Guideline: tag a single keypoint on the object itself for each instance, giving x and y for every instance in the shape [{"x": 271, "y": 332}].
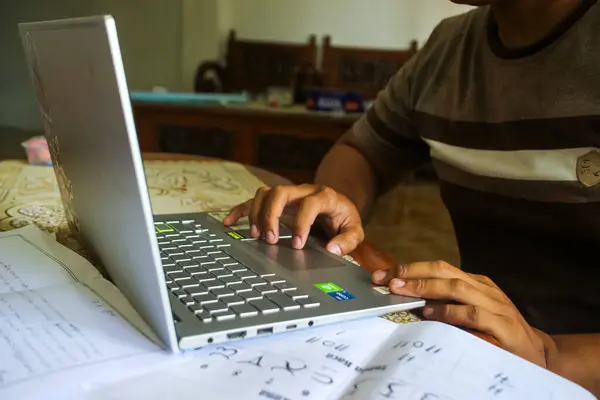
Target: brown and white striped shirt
[{"x": 507, "y": 131}]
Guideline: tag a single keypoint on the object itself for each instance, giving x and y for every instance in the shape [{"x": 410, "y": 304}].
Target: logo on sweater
[{"x": 588, "y": 169}]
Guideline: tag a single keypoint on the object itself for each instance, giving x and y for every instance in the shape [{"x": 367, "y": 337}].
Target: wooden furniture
[
  {"x": 255, "y": 65},
  {"x": 361, "y": 69},
  {"x": 288, "y": 141}
]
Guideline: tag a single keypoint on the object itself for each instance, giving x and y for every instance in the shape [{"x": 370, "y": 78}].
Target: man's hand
[
  {"x": 468, "y": 300},
  {"x": 338, "y": 214}
]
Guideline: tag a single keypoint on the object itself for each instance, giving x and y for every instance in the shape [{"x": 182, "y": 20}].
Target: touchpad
[{"x": 283, "y": 253}]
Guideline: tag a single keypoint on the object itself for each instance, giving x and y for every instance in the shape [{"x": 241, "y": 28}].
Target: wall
[
  {"x": 150, "y": 38},
  {"x": 380, "y": 23}
]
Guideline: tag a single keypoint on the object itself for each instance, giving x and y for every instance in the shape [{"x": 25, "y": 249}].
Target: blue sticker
[{"x": 341, "y": 296}]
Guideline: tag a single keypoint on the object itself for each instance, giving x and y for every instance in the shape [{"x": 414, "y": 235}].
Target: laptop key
[
  {"x": 180, "y": 257},
  {"x": 226, "y": 261},
  {"x": 255, "y": 281},
  {"x": 246, "y": 274},
  {"x": 222, "y": 292},
  {"x": 274, "y": 279},
  {"x": 168, "y": 263},
  {"x": 240, "y": 287},
  {"x": 228, "y": 280},
  {"x": 213, "y": 284},
  {"x": 178, "y": 275},
  {"x": 222, "y": 273},
  {"x": 216, "y": 307},
  {"x": 205, "y": 278},
  {"x": 225, "y": 316},
  {"x": 196, "y": 290},
  {"x": 169, "y": 269},
  {"x": 233, "y": 300},
  {"x": 283, "y": 301},
  {"x": 172, "y": 251},
  {"x": 172, "y": 286},
  {"x": 204, "y": 316},
  {"x": 236, "y": 268},
  {"x": 265, "y": 289},
  {"x": 212, "y": 266},
  {"x": 187, "y": 282},
  {"x": 205, "y": 299},
  {"x": 187, "y": 263},
  {"x": 251, "y": 295},
  {"x": 196, "y": 308},
  {"x": 265, "y": 306},
  {"x": 187, "y": 300},
  {"x": 244, "y": 310},
  {"x": 179, "y": 292},
  {"x": 196, "y": 270},
  {"x": 295, "y": 295},
  {"x": 308, "y": 302},
  {"x": 217, "y": 255},
  {"x": 285, "y": 286}
]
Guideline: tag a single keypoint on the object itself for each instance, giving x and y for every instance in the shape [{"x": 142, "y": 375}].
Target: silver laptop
[{"x": 193, "y": 280}]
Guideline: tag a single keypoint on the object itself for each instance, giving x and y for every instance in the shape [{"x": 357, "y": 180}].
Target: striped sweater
[{"x": 514, "y": 136}]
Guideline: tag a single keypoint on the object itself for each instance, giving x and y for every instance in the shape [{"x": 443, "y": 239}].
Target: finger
[
  {"x": 273, "y": 205},
  {"x": 308, "y": 211},
  {"x": 323, "y": 201},
  {"x": 432, "y": 270},
  {"x": 253, "y": 217},
  {"x": 237, "y": 212},
  {"x": 347, "y": 241},
  {"x": 471, "y": 317},
  {"x": 448, "y": 290}
]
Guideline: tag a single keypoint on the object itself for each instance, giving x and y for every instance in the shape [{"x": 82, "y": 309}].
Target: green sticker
[
  {"x": 235, "y": 235},
  {"x": 329, "y": 287},
  {"x": 162, "y": 228}
]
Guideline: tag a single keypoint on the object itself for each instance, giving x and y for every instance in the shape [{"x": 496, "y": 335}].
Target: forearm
[
  {"x": 577, "y": 358},
  {"x": 347, "y": 171}
]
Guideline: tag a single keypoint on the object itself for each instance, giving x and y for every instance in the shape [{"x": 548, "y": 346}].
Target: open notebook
[{"x": 66, "y": 333}]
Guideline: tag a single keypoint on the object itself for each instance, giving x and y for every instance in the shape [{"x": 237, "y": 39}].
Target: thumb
[{"x": 346, "y": 242}]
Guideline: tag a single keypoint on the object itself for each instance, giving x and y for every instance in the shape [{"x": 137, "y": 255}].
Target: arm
[
  {"x": 575, "y": 357},
  {"x": 348, "y": 172}
]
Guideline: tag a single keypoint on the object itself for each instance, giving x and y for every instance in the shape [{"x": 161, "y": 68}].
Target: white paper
[
  {"x": 366, "y": 359},
  {"x": 54, "y": 321}
]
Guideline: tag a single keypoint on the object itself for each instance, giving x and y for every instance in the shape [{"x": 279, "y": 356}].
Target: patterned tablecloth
[{"x": 30, "y": 195}]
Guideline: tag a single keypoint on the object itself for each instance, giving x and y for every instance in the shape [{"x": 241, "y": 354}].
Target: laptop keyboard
[{"x": 215, "y": 286}]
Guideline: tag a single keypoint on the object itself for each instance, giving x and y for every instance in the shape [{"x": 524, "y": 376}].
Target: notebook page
[
  {"x": 435, "y": 361},
  {"x": 51, "y": 324},
  {"x": 314, "y": 363},
  {"x": 27, "y": 262}
]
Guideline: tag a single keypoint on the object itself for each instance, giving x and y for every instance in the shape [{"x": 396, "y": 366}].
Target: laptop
[{"x": 193, "y": 280}]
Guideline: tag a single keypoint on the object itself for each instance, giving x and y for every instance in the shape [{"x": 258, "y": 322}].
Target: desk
[{"x": 288, "y": 141}]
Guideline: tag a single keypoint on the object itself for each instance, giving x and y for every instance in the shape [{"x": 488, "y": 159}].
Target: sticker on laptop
[
  {"x": 382, "y": 289},
  {"x": 236, "y": 235},
  {"x": 334, "y": 291}
]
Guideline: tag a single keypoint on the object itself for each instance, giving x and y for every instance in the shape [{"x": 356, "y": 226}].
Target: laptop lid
[{"x": 80, "y": 83}]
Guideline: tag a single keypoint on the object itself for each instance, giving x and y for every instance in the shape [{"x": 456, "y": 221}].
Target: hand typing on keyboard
[{"x": 338, "y": 215}]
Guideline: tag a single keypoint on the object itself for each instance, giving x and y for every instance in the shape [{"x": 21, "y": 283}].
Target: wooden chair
[
  {"x": 361, "y": 69},
  {"x": 254, "y": 65}
]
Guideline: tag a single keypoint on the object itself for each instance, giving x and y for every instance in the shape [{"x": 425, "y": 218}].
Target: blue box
[{"x": 335, "y": 100}]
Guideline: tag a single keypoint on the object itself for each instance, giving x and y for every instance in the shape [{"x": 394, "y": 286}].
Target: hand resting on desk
[{"x": 461, "y": 299}]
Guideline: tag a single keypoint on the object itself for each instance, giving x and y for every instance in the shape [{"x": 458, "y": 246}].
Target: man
[{"x": 505, "y": 100}]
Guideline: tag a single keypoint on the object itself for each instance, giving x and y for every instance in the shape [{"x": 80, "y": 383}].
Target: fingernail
[
  {"x": 335, "y": 249},
  {"x": 296, "y": 242},
  {"x": 253, "y": 230},
  {"x": 379, "y": 275},
  {"x": 428, "y": 311},
  {"x": 270, "y": 237},
  {"x": 398, "y": 283}
]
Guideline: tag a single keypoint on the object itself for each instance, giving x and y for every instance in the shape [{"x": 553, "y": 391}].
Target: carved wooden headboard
[{"x": 361, "y": 69}]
